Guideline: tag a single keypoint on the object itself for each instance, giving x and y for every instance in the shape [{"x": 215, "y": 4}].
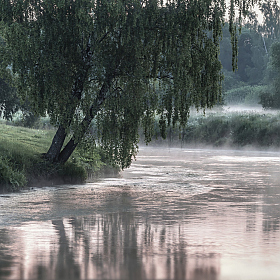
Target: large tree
[
  {"x": 271, "y": 15},
  {"x": 115, "y": 62},
  {"x": 271, "y": 97}
]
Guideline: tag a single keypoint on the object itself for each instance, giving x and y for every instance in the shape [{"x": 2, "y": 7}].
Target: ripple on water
[{"x": 190, "y": 214}]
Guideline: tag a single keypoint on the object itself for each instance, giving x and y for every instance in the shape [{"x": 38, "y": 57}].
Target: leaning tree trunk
[
  {"x": 55, "y": 149},
  {"x": 76, "y": 138},
  {"x": 57, "y": 143},
  {"x": 67, "y": 151},
  {"x": 74, "y": 141}
]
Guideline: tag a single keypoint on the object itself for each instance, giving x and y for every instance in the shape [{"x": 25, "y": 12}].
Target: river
[{"x": 192, "y": 214}]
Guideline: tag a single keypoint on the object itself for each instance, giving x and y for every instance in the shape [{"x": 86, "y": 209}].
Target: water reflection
[
  {"x": 104, "y": 247},
  {"x": 5, "y": 257},
  {"x": 189, "y": 215}
]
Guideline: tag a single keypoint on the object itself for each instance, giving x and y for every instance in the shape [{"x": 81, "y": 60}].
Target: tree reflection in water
[
  {"x": 66, "y": 268},
  {"x": 114, "y": 246},
  {"x": 6, "y": 260},
  {"x": 191, "y": 227},
  {"x": 111, "y": 246}
]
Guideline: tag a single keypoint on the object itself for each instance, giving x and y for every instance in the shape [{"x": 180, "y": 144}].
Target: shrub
[
  {"x": 247, "y": 95},
  {"x": 10, "y": 178},
  {"x": 232, "y": 129},
  {"x": 270, "y": 99},
  {"x": 88, "y": 155},
  {"x": 244, "y": 130},
  {"x": 72, "y": 173},
  {"x": 266, "y": 100},
  {"x": 236, "y": 95},
  {"x": 22, "y": 162}
]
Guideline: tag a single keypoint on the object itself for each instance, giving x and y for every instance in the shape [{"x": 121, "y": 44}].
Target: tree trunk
[
  {"x": 54, "y": 151},
  {"x": 57, "y": 143},
  {"x": 67, "y": 151},
  {"x": 74, "y": 141}
]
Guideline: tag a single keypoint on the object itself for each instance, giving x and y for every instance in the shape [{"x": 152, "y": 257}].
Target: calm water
[{"x": 175, "y": 214}]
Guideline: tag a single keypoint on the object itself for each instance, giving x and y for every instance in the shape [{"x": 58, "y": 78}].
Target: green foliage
[
  {"x": 21, "y": 159},
  {"x": 270, "y": 98},
  {"x": 275, "y": 56},
  {"x": 252, "y": 58},
  {"x": 27, "y": 119},
  {"x": 9, "y": 102},
  {"x": 246, "y": 95},
  {"x": 72, "y": 173},
  {"x": 89, "y": 155},
  {"x": 253, "y": 129},
  {"x": 236, "y": 95},
  {"x": 231, "y": 81},
  {"x": 257, "y": 60},
  {"x": 10, "y": 177},
  {"x": 271, "y": 24},
  {"x": 213, "y": 130},
  {"x": 99, "y": 60},
  {"x": 227, "y": 129}
]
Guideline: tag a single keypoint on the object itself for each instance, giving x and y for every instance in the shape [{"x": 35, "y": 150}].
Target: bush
[
  {"x": 71, "y": 173},
  {"x": 236, "y": 130},
  {"x": 212, "y": 130},
  {"x": 231, "y": 129},
  {"x": 237, "y": 95},
  {"x": 27, "y": 119},
  {"x": 11, "y": 178},
  {"x": 270, "y": 98},
  {"x": 244, "y": 129},
  {"x": 247, "y": 95},
  {"x": 22, "y": 162}
]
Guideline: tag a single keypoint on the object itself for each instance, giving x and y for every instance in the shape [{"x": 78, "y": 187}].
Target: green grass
[
  {"x": 21, "y": 160},
  {"x": 33, "y": 140},
  {"x": 20, "y": 152}
]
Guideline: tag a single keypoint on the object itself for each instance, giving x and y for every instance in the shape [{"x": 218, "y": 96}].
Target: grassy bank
[
  {"x": 21, "y": 162},
  {"x": 235, "y": 129}
]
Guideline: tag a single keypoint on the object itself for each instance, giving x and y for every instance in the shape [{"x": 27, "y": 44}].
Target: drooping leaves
[{"x": 152, "y": 57}]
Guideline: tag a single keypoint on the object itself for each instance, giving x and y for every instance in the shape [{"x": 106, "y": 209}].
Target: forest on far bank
[{"x": 256, "y": 81}]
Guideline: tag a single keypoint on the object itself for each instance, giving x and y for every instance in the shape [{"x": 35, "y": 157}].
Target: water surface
[{"x": 175, "y": 214}]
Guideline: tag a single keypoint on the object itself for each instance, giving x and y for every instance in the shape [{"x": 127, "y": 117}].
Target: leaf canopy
[{"x": 119, "y": 61}]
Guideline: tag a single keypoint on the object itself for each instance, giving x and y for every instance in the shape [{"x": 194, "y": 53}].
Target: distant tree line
[{"x": 256, "y": 79}]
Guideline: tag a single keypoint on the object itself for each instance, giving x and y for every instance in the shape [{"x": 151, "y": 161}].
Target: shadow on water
[
  {"x": 6, "y": 259},
  {"x": 182, "y": 214}
]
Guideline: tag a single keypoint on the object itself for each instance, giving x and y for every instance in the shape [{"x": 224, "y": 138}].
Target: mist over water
[
  {"x": 195, "y": 214},
  {"x": 235, "y": 108}
]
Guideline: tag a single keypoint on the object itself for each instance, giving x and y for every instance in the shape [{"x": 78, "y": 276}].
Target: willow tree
[{"x": 115, "y": 62}]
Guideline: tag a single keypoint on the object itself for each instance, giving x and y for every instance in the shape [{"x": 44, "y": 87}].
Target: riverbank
[
  {"x": 234, "y": 129},
  {"x": 22, "y": 163},
  {"x": 21, "y": 149}
]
